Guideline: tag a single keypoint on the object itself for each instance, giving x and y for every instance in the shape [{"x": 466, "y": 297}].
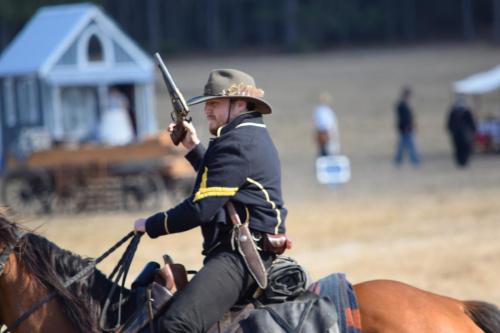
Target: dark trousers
[
  {"x": 462, "y": 149},
  {"x": 221, "y": 283}
]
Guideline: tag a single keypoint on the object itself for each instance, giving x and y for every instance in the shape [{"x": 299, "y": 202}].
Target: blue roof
[{"x": 42, "y": 36}]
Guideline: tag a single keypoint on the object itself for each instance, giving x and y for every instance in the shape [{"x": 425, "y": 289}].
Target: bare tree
[
  {"x": 468, "y": 30},
  {"x": 496, "y": 21},
  {"x": 212, "y": 20},
  {"x": 389, "y": 21},
  {"x": 291, "y": 8},
  {"x": 3, "y": 35},
  {"x": 153, "y": 25},
  {"x": 410, "y": 26}
]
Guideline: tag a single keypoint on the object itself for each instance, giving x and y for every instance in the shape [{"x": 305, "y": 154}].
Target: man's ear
[{"x": 241, "y": 105}]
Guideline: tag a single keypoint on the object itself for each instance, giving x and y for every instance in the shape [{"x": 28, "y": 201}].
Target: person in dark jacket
[
  {"x": 461, "y": 126},
  {"x": 406, "y": 128},
  {"x": 241, "y": 165}
]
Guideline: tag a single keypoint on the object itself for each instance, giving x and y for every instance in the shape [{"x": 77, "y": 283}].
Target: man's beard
[{"x": 213, "y": 131}]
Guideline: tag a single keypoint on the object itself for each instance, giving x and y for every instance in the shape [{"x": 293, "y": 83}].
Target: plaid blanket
[{"x": 339, "y": 291}]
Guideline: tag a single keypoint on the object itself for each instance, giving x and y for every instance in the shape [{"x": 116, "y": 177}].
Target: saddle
[
  {"x": 153, "y": 288},
  {"x": 285, "y": 310}
]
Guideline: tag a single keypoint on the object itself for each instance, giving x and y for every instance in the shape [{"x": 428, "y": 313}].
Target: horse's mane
[{"x": 51, "y": 266}]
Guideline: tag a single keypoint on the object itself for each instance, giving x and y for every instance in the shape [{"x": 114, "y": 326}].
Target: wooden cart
[{"x": 146, "y": 175}]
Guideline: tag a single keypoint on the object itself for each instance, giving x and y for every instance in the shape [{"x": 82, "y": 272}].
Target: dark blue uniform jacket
[
  {"x": 405, "y": 117},
  {"x": 241, "y": 164}
]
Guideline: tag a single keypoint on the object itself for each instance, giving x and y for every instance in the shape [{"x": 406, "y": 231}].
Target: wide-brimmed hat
[{"x": 232, "y": 83}]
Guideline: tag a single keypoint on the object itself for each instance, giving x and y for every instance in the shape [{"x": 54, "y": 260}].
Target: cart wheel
[
  {"x": 28, "y": 194},
  {"x": 69, "y": 202},
  {"x": 142, "y": 191}
]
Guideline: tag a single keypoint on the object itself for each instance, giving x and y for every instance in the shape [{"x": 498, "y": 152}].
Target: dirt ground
[{"x": 435, "y": 227}]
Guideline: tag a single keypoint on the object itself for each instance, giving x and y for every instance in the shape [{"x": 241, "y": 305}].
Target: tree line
[{"x": 280, "y": 25}]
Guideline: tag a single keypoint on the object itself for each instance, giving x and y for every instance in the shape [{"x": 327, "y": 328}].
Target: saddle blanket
[{"x": 339, "y": 291}]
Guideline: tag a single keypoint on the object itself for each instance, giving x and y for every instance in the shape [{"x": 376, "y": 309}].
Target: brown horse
[{"x": 36, "y": 267}]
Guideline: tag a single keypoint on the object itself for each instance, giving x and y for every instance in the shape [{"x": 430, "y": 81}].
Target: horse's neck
[
  {"x": 100, "y": 286},
  {"x": 19, "y": 290}
]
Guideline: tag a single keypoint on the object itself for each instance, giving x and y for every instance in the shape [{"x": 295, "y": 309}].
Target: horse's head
[
  {"x": 36, "y": 267},
  {"x": 10, "y": 238}
]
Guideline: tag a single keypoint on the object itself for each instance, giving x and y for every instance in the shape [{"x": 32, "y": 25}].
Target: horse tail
[{"x": 484, "y": 315}]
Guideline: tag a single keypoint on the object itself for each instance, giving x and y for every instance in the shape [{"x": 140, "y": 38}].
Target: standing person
[
  {"x": 406, "y": 128},
  {"x": 240, "y": 165},
  {"x": 326, "y": 126},
  {"x": 116, "y": 127},
  {"x": 461, "y": 126}
]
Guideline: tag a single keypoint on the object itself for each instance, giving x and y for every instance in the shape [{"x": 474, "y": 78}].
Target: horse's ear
[
  {"x": 8, "y": 228},
  {"x": 6, "y": 215}
]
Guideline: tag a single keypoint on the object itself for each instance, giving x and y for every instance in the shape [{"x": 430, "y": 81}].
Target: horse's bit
[{"x": 8, "y": 250}]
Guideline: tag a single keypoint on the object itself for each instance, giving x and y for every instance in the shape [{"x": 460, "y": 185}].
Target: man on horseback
[{"x": 241, "y": 166}]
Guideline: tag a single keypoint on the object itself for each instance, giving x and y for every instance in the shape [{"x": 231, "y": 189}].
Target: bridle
[
  {"x": 83, "y": 274},
  {"x": 8, "y": 250}
]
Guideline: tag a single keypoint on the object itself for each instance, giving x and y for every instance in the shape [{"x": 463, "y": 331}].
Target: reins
[
  {"x": 124, "y": 265},
  {"x": 122, "y": 269}
]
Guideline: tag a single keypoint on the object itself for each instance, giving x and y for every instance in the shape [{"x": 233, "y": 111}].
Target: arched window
[{"x": 95, "y": 50}]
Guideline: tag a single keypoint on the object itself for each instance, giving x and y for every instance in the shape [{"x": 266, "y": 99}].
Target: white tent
[
  {"x": 480, "y": 83},
  {"x": 477, "y": 85}
]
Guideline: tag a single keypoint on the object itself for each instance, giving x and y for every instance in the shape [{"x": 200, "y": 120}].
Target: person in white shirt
[
  {"x": 326, "y": 126},
  {"x": 116, "y": 127}
]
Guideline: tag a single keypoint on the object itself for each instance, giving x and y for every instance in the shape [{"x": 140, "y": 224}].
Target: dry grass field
[{"x": 435, "y": 227}]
